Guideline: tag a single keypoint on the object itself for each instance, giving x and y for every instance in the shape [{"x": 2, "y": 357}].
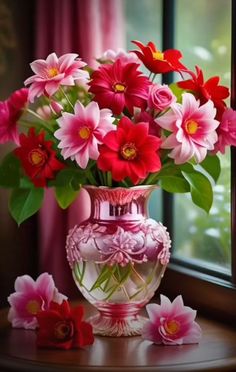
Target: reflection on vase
[{"x": 118, "y": 257}]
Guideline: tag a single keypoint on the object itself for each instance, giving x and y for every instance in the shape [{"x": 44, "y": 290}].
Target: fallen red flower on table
[{"x": 62, "y": 327}]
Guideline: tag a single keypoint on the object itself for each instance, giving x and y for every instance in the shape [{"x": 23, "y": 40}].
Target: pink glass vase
[{"x": 118, "y": 257}]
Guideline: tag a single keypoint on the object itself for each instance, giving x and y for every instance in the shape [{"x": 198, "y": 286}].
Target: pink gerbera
[
  {"x": 130, "y": 152},
  {"x": 120, "y": 85},
  {"x": 81, "y": 133},
  {"x": 53, "y": 72},
  {"x": 10, "y": 112},
  {"x": 193, "y": 129}
]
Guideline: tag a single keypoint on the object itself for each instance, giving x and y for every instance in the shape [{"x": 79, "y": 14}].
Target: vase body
[{"x": 118, "y": 257}]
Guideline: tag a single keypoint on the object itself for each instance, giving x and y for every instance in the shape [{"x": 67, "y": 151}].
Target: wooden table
[{"x": 215, "y": 352}]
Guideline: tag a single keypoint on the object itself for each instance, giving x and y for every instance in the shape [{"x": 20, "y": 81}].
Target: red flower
[
  {"x": 130, "y": 152},
  {"x": 157, "y": 61},
  {"x": 207, "y": 90},
  {"x": 119, "y": 85},
  {"x": 37, "y": 157},
  {"x": 62, "y": 327}
]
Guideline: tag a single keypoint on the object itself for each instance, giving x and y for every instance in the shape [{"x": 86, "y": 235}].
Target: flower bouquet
[{"x": 119, "y": 133}]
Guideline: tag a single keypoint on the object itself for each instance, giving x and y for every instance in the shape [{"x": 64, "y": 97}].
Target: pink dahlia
[
  {"x": 30, "y": 297},
  {"x": 10, "y": 112},
  {"x": 118, "y": 86},
  {"x": 193, "y": 129},
  {"x": 129, "y": 152},
  {"x": 226, "y": 131},
  {"x": 171, "y": 323},
  {"x": 53, "y": 72},
  {"x": 81, "y": 133}
]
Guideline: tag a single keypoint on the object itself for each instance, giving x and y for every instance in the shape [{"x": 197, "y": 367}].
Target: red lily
[
  {"x": 207, "y": 90},
  {"x": 157, "y": 61}
]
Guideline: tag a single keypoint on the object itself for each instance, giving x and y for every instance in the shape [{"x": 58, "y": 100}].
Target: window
[{"x": 202, "y": 258}]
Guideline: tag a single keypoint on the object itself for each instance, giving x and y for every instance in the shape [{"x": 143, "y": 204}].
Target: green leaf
[
  {"x": 174, "y": 184},
  {"x": 25, "y": 202},
  {"x": 65, "y": 196},
  {"x": 69, "y": 177},
  {"x": 201, "y": 189},
  {"x": 211, "y": 164},
  {"x": 177, "y": 91},
  {"x": 10, "y": 171}
]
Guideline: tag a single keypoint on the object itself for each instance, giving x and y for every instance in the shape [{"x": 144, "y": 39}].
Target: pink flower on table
[
  {"x": 81, "y": 133},
  {"x": 53, "y": 72},
  {"x": 30, "y": 297},
  {"x": 129, "y": 152},
  {"x": 118, "y": 86},
  {"x": 160, "y": 97},
  {"x": 192, "y": 127},
  {"x": 171, "y": 323},
  {"x": 10, "y": 112},
  {"x": 226, "y": 131}
]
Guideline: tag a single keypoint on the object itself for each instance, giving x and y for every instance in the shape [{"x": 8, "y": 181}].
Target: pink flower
[
  {"x": 53, "y": 72},
  {"x": 10, "y": 112},
  {"x": 226, "y": 131},
  {"x": 160, "y": 97},
  {"x": 112, "y": 55},
  {"x": 81, "y": 133},
  {"x": 30, "y": 297},
  {"x": 171, "y": 323},
  {"x": 118, "y": 86},
  {"x": 193, "y": 129}
]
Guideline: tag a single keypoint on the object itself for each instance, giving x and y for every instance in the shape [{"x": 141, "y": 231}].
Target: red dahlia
[
  {"x": 120, "y": 85},
  {"x": 157, "y": 61},
  {"x": 130, "y": 152},
  {"x": 62, "y": 327},
  {"x": 37, "y": 157}
]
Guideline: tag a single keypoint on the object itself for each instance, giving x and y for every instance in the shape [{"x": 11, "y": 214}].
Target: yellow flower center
[
  {"x": 84, "y": 132},
  {"x": 36, "y": 157},
  {"x": 191, "y": 126},
  {"x": 119, "y": 88},
  {"x": 63, "y": 330},
  {"x": 129, "y": 151},
  {"x": 172, "y": 327},
  {"x": 33, "y": 307},
  {"x": 158, "y": 55},
  {"x": 52, "y": 71}
]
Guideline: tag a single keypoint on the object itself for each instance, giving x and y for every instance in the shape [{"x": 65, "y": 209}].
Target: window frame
[{"x": 212, "y": 295}]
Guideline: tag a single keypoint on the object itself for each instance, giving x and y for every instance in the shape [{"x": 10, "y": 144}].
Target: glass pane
[
  {"x": 143, "y": 21},
  {"x": 203, "y": 35}
]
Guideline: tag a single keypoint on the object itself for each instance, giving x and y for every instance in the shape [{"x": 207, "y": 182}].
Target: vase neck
[{"x": 119, "y": 203}]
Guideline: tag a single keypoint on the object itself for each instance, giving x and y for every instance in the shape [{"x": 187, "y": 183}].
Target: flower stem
[
  {"x": 67, "y": 98},
  {"x": 91, "y": 179}
]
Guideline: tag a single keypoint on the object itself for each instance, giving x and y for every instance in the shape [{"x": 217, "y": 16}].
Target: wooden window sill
[{"x": 215, "y": 352}]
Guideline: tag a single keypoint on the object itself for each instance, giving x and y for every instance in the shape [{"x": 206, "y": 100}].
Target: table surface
[{"x": 215, "y": 352}]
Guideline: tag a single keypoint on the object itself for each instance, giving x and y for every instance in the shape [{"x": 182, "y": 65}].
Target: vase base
[{"x": 116, "y": 327}]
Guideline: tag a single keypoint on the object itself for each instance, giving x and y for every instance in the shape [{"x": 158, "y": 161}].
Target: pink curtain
[{"x": 86, "y": 27}]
